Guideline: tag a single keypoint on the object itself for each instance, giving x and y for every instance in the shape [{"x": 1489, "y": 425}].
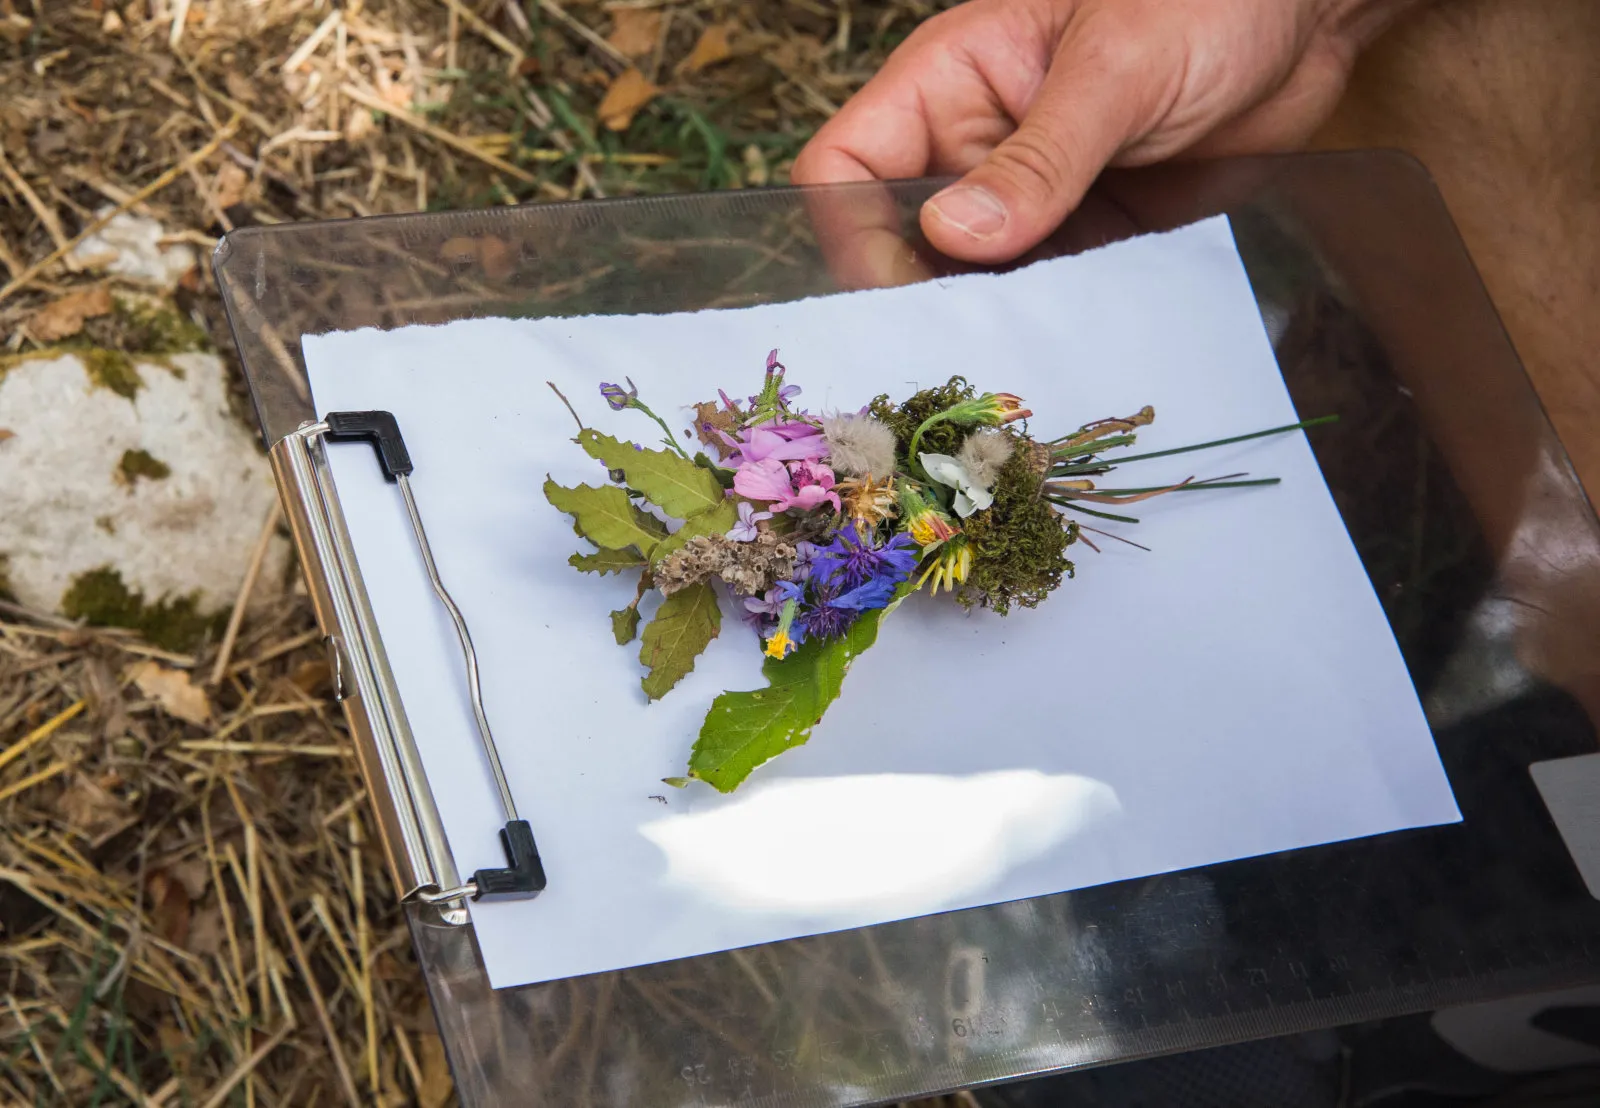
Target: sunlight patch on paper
[{"x": 875, "y": 842}]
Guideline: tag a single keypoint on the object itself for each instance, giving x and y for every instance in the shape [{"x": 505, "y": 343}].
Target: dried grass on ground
[{"x": 192, "y": 906}]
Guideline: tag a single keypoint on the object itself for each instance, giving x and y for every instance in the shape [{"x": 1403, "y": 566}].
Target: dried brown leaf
[
  {"x": 91, "y": 810},
  {"x": 206, "y": 931},
  {"x": 627, "y": 94},
  {"x": 239, "y": 86},
  {"x": 634, "y": 31},
  {"x": 231, "y": 185},
  {"x": 169, "y": 907},
  {"x": 5, "y": 434},
  {"x": 64, "y": 317},
  {"x": 712, "y": 47},
  {"x": 174, "y": 691},
  {"x": 436, "y": 1085}
]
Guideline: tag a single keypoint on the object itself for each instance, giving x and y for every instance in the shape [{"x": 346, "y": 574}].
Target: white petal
[
  {"x": 964, "y": 505},
  {"x": 981, "y": 498},
  {"x": 943, "y": 469}
]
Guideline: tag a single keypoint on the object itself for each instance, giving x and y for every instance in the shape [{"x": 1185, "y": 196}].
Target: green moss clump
[
  {"x": 114, "y": 370},
  {"x": 941, "y": 438},
  {"x": 158, "y": 331},
  {"x": 141, "y": 463},
  {"x": 1019, "y": 546},
  {"x": 102, "y": 598}
]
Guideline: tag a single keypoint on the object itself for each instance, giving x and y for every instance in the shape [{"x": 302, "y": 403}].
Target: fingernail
[{"x": 971, "y": 209}]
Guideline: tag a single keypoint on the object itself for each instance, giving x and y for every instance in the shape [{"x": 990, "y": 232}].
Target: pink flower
[
  {"x": 786, "y": 442},
  {"x": 770, "y": 481}
]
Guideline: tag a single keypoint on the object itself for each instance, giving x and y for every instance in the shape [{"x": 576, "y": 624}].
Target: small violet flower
[
  {"x": 617, "y": 396},
  {"x": 745, "y": 530}
]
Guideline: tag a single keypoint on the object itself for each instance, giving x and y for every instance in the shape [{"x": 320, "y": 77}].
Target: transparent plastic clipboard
[{"x": 1476, "y": 534}]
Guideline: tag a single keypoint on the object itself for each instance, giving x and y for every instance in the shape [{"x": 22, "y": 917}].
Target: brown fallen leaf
[
  {"x": 92, "y": 811},
  {"x": 5, "y": 434},
  {"x": 712, "y": 47},
  {"x": 239, "y": 86},
  {"x": 627, "y": 94},
  {"x": 64, "y": 317},
  {"x": 436, "y": 1083},
  {"x": 231, "y": 185},
  {"x": 206, "y": 931},
  {"x": 169, "y": 907},
  {"x": 173, "y": 691},
  {"x": 634, "y": 31}
]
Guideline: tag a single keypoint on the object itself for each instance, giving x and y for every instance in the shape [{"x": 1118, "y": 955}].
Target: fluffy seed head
[
  {"x": 859, "y": 446},
  {"x": 984, "y": 454}
]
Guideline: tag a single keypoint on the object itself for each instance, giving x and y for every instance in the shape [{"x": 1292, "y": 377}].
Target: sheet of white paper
[{"x": 1234, "y": 692}]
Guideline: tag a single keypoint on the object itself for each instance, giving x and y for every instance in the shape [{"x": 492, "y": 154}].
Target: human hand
[{"x": 1093, "y": 83}]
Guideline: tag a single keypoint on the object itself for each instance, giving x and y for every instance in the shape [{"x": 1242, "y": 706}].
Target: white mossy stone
[
  {"x": 70, "y": 507},
  {"x": 130, "y": 247}
]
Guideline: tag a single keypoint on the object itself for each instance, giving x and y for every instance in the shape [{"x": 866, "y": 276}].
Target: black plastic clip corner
[
  {"x": 523, "y": 878},
  {"x": 380, "y": 429}
]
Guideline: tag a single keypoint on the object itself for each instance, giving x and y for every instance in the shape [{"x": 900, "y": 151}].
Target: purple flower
[
  {"x": 805, "y": 557},
  {"x": 827, "y": 618},
  {"x": 745, "y": 530},
  {"x": 761, "y": 612},
  {"x": 617, "y": 396},
  {"x": 772, "y": 360},
  {"x": 849, "y": 562}
]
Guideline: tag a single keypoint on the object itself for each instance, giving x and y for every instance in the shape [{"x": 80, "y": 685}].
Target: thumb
[{"x": 1084, "y": 113}]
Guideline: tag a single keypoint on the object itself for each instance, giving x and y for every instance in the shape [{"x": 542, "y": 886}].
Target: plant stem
[
  {"x": 1071, "y": 506},
  {"x": 1193, "y": 486},
  {"x": 1303, "y": 425},
  {"x": 672, "y": 442}
]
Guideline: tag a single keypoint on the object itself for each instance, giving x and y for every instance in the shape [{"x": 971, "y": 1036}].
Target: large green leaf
[
  {"x": 671, "y": 482},
  {"x": 683, "y": 626},
  {"x": 718, "y": 521},
  {"x": 744, "y": 729},
  {"x": 607, "y": 561},
  {"x": 606, "y": 517}
]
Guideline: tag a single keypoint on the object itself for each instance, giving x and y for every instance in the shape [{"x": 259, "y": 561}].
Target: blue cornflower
[
  {"x": 827, "y": 618},
  {"x": 850, "y": 562}
]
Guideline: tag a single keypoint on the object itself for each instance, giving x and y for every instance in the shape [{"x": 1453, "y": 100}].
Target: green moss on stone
[
  {"x": 6, "y": 591},
  {"x": 141, "y": 463},
  {"x": 157, "y": 330},
  {"x": 112, "y": 369},
  {"x": 102, "y": 598}
]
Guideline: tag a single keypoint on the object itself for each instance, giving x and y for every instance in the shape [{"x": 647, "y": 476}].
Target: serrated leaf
[
  {"x": 683, "y": 627},
  {"x": 607, "y": 561},
  {"x": 606, "y": 517},
  {"x": 674, "y": 484},
  {"x": 743, "y": 730},
  {"x": 718, "y": 521},
  {"x": 625, "y": 625}
]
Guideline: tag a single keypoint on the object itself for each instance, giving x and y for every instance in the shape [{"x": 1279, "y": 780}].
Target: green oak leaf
[
  {"x": 717, "y": 521},
  {"x": 745, "y": 729},
  {"x": 606, "y": 517},
  {"x": 625, "y": 624},
  {"x": 671, "y": 482},
  {"x": 683, "y": 626},
  {"x": 607, "y": 561}
]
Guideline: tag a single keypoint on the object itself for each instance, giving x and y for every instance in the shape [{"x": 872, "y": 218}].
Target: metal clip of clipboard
[{"x": 412, "y": 832}]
